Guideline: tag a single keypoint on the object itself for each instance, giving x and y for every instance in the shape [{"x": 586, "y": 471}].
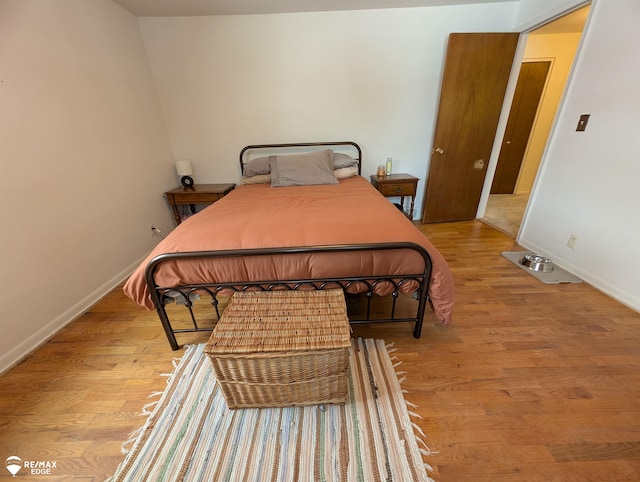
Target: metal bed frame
[{"x": 163, "y": 295}]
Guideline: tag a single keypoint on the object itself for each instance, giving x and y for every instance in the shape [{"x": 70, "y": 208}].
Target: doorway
[
  {"x": 505, "y": 207},
  {"x": 524, "y": 107},
  {"x": 555, "y": 42}
]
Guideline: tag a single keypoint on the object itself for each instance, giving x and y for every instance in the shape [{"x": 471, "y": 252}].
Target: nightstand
[
  {"x": 401, "y": 185},
  {"x": 200, "y": 194}
]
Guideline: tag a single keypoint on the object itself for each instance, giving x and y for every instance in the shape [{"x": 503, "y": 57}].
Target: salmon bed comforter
[{"x": 261, "y": 216}]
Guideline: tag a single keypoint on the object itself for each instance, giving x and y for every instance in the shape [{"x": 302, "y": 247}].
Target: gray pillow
[
  {"x": 257, "y": 166},
  {"x": 341, "y": 161},
  {"x": 303, "y": 169}
]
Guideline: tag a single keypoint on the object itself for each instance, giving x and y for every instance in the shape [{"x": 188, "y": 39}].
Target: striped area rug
[{"x": 192, "y": 436}]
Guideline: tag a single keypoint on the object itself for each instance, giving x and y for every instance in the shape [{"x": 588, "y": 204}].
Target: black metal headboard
[{"x": 297, "y": 147}]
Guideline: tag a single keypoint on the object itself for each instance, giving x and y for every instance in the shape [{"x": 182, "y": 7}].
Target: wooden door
[
  {"x": 476, "y": 73},
  {"x": 531, "y": 81}
]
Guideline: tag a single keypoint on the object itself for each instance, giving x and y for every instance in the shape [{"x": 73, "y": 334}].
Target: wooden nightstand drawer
[
  {"x": 196, "y": 197},
  {"x": 199, "y": 194},
  {"x": 399, "y": 185},
  {"x": 397, "y": 189}
]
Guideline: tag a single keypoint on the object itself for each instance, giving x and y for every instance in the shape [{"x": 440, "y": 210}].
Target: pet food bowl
[{"x": 537, "y": 263}]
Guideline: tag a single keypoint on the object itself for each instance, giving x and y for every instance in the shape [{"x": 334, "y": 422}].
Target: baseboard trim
[
  {"x": 14, "y": 356},
  {"x": 600, "y": 284}
]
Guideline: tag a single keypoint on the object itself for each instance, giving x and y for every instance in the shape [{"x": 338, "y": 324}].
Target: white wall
[
  {"x": 372, "y": 76},
  {"x": 588, "y": 183},
  {"x": 84, "y": 160}
]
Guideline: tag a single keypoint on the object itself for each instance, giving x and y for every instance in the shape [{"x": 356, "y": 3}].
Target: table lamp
[{"x": 185, "y": 170}]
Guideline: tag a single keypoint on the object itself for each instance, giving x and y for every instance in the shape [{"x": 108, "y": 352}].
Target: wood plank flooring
[{"x": 530, "y": 382}]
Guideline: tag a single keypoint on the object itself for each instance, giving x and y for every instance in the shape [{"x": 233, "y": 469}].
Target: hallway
[{"x": 505, "y": 211}]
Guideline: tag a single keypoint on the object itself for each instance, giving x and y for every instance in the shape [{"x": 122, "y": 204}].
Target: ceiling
[
  {"x": 570, "y": 23},
  {"x": 187, "y": 8}
]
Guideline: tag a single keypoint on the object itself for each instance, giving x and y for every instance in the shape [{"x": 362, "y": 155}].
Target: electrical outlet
[
  {"x": 572, "y": 241},
  {"x": 156, "y": 231}
]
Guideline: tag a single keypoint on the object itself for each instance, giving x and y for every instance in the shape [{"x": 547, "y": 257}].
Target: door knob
[{"x": 439, "y": 150}]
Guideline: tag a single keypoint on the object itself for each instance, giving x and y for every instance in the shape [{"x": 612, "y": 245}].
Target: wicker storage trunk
[{"x": 282, "y": 348}]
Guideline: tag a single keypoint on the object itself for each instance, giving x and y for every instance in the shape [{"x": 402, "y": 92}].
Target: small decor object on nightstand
[
  {"x": 388, "y": 170},
  {"x": 184, "y": 169}
]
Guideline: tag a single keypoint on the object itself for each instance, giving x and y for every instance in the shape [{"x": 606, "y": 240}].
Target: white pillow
[
  {"x": 257, "y": 179},
  {"x": 345, "y": 172}
]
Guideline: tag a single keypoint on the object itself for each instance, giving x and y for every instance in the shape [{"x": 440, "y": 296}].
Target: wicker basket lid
[{"x": 282, "y": 321}]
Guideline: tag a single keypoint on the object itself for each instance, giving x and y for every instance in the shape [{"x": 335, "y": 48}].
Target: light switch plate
[{"x": 582, "y": 123}]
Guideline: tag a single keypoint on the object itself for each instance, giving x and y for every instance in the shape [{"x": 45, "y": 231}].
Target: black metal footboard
[{"x": 365, "y": 284}]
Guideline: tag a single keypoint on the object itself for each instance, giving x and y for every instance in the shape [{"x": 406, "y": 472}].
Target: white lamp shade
[{"x": 184, "y": 168}]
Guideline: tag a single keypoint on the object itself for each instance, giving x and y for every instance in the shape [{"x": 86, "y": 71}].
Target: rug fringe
[
  {"x": 175, "y": 362},
  {"x": 429, "y": 452},
  {"x": 145, "y": 412},
  {"x": 132, "y": 438},
  {"x": 426, "y": 450},
  {"x": 145, "y": 408},
  {"x": 420, "y": 431},
  {"x": 417, "y": 430},
  {"x": 429, "y": 469},
  {"x": 125, "y": 448}
]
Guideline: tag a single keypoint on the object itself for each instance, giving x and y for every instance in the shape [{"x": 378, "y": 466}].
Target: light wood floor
[
  {"x": 505, "y": 212},
  {"x": 531, "y": 382}
]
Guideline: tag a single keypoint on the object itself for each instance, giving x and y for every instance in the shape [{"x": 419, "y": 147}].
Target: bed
[{"x": 303, "y": 219}]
